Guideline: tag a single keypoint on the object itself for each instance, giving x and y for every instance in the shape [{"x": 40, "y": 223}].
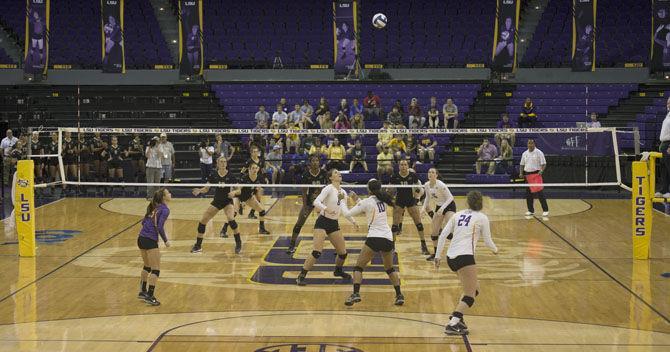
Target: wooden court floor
[{"x": 563, "y": 284}]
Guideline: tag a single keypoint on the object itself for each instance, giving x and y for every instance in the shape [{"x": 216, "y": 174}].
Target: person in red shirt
[{"x": 372, "y": 105}]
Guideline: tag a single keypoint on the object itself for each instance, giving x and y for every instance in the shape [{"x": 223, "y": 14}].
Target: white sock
[{"x": 454, "y": 321}]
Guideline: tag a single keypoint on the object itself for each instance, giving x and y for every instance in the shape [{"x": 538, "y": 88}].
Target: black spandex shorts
[
  {"x": 379, "y": 244},
  {"x": 221, "y": 203},
  {"x": 328, "y": 225},
  {"x": 460, "y": 262},
  {"x": 69, "y": 160},
  {"x": 450, "y": 207},
  {"x": 402, "y": 202},
  {"x": 114, "y": 164},
  {"x": 146, "y": 243}
]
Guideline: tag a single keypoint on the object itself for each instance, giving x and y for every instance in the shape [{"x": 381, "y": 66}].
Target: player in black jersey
[
  {"x": 257, "y": 158},
  {"x": 115, "y": 156},
  {"x": 406, "y": 199},
  {"x": 36, "y": 148},
  {"x": 69, "y": 153},
  {"x": 247, "y": 195},
  {"x": 98, "y": 148},
  {"x": 84, "y": 159},
  {"x": 51, "y": 148},
  {"x": 223, "y": 200},
  {"x": 135, "y": 152},
  {"x": 313, "y": 176}
]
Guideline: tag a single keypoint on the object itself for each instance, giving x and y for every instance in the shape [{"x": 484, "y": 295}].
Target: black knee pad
[
  {"x": 395, "y": 228},
  {"x": 201, "y": 228},
  {"x": 342, "y": 256},
  {"x": 156, "y": 272},
  {"x": 147, "y": 269},
  {"x": 431, "y": 214},
  {"x": 262, "y": 213},
  {"x": 434, "y": 238},
  {"x": 358, "y": 268},
  {"x": 450, "y": 236},
  {"x": 390, "y": 271},
  {"x": 232, "y": 224},
  {"x": 468, "y": 300},
  {"x": 316, "y": 254},
  {"x": 419, "y": 227},
  {"x": 476, "y": 293}
]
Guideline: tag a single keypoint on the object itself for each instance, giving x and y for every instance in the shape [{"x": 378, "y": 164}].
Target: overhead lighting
[
  {"x": 523, "y": 40},
  {"x": 161, "y": 9},
  {"x": 174, "y": 41},
  {"x": 537, "y": 7}
]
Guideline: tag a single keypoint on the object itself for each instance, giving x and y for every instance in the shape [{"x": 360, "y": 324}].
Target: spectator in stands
[
  {"x": 205, "y": 151},
  {"x": 358, "y": 156},
  {"x": 433, "y": 104},
  {"x": 317, "y": 148},
  {"x": 356, "y": 108},
  {"x": 398, "y": 104},
  {"x": 343, "y": 107},
  {"x": 411, "y": 147},
  {"x": 284, "y": 105},
  {"x": 296, "y": 116},
  {"x": 279, "y": 118},
  {"x": 292, "y": 139},
  {"x": 415, "y": 113},
  {"x": 274, "y": 164},
  {"x": 384, "y": 163},
  {"x": 413, "y": 126},
  {"x": 357, "y": 122},
  {"x": 506, "y": 157},
  {"x": 306, "y": 108},
  {"x": 398, "y": 146},
  {"x": 372, "y": 105},
  {"x": 325, "y": 121},
  {"x": 335, "y": 154},
  {"x": 527, "y": 117},
  {"x": 222, "y": 148},
  {"x": 426, "y": 148},
  {"x": 306, "y": 142},
  {"x": 322, "y": 108},
  {"x": 6, "y": 145},
  {"x": 342, "y": 121},
  {"x": 154, "y": 167},
  {"x": 664, "y": 148},
  {"x": 307, "y": 115},
  {"x": 383, "y": 137},
  {"x": 450, "y": 112},
  {"x": 505, "y": 123},
  {"x": 594, "y": 123},
  {"x": 262, "y": 117},
  {"x": 486, "y": 155},
  {"x": 394, "y": 117},
  {"x": 167, "y": 154},
  {"x": 433, "y": 117},
  {"x": 275, "y": 139}
]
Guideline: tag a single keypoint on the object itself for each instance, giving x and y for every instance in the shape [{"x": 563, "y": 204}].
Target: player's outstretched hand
[{"x": 196, "y": 192}]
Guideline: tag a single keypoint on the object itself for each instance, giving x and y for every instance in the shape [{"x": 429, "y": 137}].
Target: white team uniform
[
  {"x": 438, "y": 194},
  {"x": 375, "y": 210},
  {"x": 467, "y": 226},
  {"x": 332, "y": 202}
]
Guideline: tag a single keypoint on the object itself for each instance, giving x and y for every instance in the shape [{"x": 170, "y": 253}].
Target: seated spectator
[
  {"x": 394, "y": 117},
  {"x": 317, "y": 148},
  {"x": 322, "y": 108},
  {"x": 292, "y": 139},
  {"x": 279, "y": 118},
  {"x": 284, "y": 105},
  {"x": 384, "y": 163},
  {"x": 372, "y": 106},
  {"x": 342, "y": 121},
  {"x": 306, "y": 108},
  {"x": 357, "y": 122},
  {"x": 450, "y": 111},
  {"x": 297, "y": 159},
  {"x": 258, "y": 140},
  {"x": 527, "y": 117},
  {"x": 505, "y": 123},
  {"x": 413, "y": 126},
  {"x": 325, "y": 121},
  {"x": 398, "y": 104},
  {"x": 307, "y": 115},
  {"x": 306, "y": 142},
  {"x": 296, "y": 116},
  {"x": 343, "y": 107},
  {"x": 274, "y": 164},
  {"x": 262, "y": 117},
  {"x": 506, "y": 158},
  {"x": 398, "y": 146},
  {"x": 594, "y": 123},
  {"x": 411, "y": 145},
  {"x": 433, "y": 104},
  {"x": 415, "y": 113},
  {"x": 355, "y": 108},
  {"x": 486, "y": 155},
  {"x": 426, "y": 148},
  {"x": 357, "y": 156},
  {"x": 383, "y": 138},
  {"x": 275, "y": 139},
  {"x": 335, "y": 154},
  {"x": 433, "y": 118}
]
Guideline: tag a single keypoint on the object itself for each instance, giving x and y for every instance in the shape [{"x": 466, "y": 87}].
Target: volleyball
[{"x": 379, "y": 20}]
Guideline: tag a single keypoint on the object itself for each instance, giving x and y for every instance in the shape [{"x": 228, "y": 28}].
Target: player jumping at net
[
  {"x": 153, "y": 225},
  {"x": 379, "y": 240},
  {"x": 466, "y": 226},
  {"x": 405, "y": 199},
  {"x": 223, "y": 200},
  {"x": 247, "y": 195},
  {"x": 315, "y": 175},
  {"x": 436, "y": 191},
  {"x": 329, "y": 204}
]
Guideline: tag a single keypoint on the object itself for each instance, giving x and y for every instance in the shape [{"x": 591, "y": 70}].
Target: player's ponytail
[
  {"x": 155, "y": 202},
  {"x": 375, "y": 188}
]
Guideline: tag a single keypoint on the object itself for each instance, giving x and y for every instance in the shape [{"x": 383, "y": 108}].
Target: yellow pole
[{"x": 24, "y": 207}]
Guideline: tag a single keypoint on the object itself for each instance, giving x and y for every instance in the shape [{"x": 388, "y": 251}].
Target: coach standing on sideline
[
  {"x": 664, "y": 148},
  {"x": 533, "y": 162}
]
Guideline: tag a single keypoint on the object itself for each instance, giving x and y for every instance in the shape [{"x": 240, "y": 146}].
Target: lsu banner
[
  {"x": 505, "y": 35},
  {"x": 584, "y": 35},
  {"x": 191, "y": 60},
  {"x": 345, "y": 29},
  {"x": 113, "y": 52},
  {"x": 660, "y": 37},
  {"x": 37, "y": 37}
]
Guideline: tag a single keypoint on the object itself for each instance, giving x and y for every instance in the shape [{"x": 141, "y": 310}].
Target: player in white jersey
[
  {"x": 466, "y": 226},
  {"x": 380, "y": 239},
  {"x": 329, "y": 203},
  {"x": 437, "y": 192}
]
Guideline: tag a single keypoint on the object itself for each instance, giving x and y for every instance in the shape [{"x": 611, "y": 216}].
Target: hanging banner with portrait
[
  {"x": 584, "y": 35},
  {"x": 660, "y": 36},
  {"x": 345, "y": 29},
  {"x": 191, "y": 61},
  {"x": 505, "y": 36},
  {"x": 113, "y": 51},
  {"x": 36, "y": 60}
]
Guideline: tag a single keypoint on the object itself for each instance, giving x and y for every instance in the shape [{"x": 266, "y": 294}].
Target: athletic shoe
[
  {"x": 424, "y": 249},
  {"x": 143, "y": 295},
  {"x": 252, "y": 216},
  {"x": 431, "y": 257},
  {"x": 263, "y": 231},
  {"x": 456, "y": 330},
  {"x": 545, "y": 213},
  {"x": 528, "y": 213},
  {"x": 666, "y": 195},
  {"x": 354, "y": 298},
  {"x": 399, "y": 300},
  {"x": 339, "y": 272},
  {"x": 658, "y": 195},
  {"x": 290, "y": 250},
  {"x": 300, "y": 280},
  {"x": 223, "y": 233},
  {"x": 238, "y": 247},
  {"x": 196, "y": 249},
  {"x": 152, "y": 301},
  {"x": 461, "y": 322}
]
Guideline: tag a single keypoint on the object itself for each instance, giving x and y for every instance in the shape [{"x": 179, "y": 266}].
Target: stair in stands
[
  {"x": 165, "y": 14},
  {"x": 10, "y": 51},
  {"x": 530, "y": 15}
]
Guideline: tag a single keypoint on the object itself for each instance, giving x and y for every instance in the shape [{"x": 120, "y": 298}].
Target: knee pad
[
  {"x": 419, "y": 227},
  {"x": 358, "y": 268},
  {"x": 450, "y": 236},
  {"x": 316, "y": 254},
  {"x": 147, "y": 269},
  {"x": 342, "y": 256},
  {"x": 390, "y": 271},
  {"x": 261, "y": 213},
  {"x": 156, "y": 272},
  {"x": 468, "y": 300},
  {"x": 434, "y": 238},
  {"x": 476, "y": 293},
  {"x": 201, "y": 228},
  {"x": 431, "y": 214},
  {"x": 395, "y": 228},
  {"x": 232, "y": 224}
]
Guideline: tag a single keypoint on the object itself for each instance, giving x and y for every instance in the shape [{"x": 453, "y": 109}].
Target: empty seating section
[{"x": 4, "y": 58}]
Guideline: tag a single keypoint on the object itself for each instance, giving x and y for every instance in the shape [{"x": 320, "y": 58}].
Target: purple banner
[
  {"x": 37, "y": 37},
  {"x": 113, "y": 54},
  {"x": 345, "y": 32},
  {"x": 191, "y": 61},
  {"x": 591, "y": 144}
]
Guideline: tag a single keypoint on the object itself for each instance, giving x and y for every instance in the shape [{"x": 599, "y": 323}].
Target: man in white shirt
[
  {"x": 533, "y": 162},
  {"x": 262, "y": 117},
  {"x": 279, "y": 118},
  {"x": 664, "y": 148},
  {"x": 166, "y": 151},
  {"x": 6, "y": 145}
]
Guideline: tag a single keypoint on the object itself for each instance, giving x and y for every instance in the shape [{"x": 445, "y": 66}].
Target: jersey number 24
[{"x": 464, "y": 220}]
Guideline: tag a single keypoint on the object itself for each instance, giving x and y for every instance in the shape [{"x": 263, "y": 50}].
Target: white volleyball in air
[{"x": 379, "y": 20}]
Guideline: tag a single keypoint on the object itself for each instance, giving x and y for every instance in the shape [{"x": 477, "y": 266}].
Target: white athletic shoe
[
  {"x": 667, "y": 195},
  {"x": 529, "y": 213},
  {"x": 658, "y": 195},
  {"x": 545, "y": 214}
]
